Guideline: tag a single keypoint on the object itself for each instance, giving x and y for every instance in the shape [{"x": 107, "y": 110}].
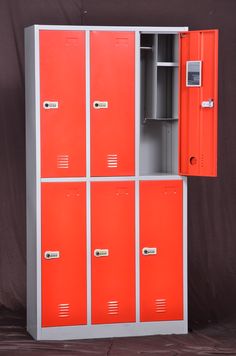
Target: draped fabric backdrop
[{"x": 212, "y": 202}]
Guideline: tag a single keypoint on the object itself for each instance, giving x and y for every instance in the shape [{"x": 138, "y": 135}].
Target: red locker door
[
  {"x": 112, "y": 103},
  {"x": 63, "y": 254},
  {"x": 161, "y": 251},
  {"x": 113, "y": 252},
  {"x": 62, "y": 100},
  {"x": 198, "y": 103}
]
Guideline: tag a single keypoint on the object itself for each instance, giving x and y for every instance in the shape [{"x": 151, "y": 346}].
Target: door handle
[
  {"x": 101, "y": 252},
  {"x": 149, "y": 251},
  {"x": 208, "y": 104},
  {"x": 49, "y": 255}
]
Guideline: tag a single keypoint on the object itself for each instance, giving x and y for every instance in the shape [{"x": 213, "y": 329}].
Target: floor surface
[{"x": 215, "y": 339}]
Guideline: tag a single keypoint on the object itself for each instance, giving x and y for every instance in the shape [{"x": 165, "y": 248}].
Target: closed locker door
[
  {"x": 62, "y": 103},
  {"x": 161, "y": 251},
  {"x": 113, "y": 252},
  {"x": 63, "y": 254},
  {"x": 112, "y": 63}
]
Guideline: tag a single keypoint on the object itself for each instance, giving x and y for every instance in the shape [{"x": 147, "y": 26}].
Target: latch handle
[
  {"x": 149, "y": 251},
  {"x": 98, "y": 252},
  {"x": 51, "y": 255},
  {"x": 100, "y": 104},
  {"x": 208, "y": 104}
]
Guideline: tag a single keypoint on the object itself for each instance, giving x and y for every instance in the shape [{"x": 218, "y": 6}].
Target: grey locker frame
[{"x": 34, "y": 181}]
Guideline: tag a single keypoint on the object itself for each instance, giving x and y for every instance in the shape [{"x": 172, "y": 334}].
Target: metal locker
[
  {"x": 63, "y": 254},
  {"x": 113, "y": 252},
  {"x": 112, "y": 84},
  {"x": 62, "y": 103},
  {"x": 148, "y": 93},
  {"x": 161, "y": 250},
  {"x": 198, "y": 104}
]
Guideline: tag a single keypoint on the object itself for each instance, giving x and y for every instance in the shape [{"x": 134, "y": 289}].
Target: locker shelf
[
  {"x": 145, "y": 47},
  {"x": 160, "y": 119},
  {"x": 167, "y": 64}
]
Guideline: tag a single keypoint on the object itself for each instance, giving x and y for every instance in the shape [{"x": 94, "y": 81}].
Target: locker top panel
[{"x": 146, "y": 29}]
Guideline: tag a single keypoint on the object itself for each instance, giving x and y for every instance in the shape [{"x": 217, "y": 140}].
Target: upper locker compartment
[
  {"x": 62, "y": 103},
  {"x": 159, "y": 103},
  {"x": 112, "y": 85},
  {"x": 198, "y": 103}
]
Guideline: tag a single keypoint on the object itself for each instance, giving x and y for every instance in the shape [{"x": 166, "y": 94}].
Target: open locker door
[{"x": 198, "y": 103}]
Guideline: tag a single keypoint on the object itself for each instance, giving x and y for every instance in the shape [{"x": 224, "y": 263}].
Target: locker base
[{"x": 112, "y": 330}]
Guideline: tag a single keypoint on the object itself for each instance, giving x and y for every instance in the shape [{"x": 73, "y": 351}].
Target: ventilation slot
[
  {"x": 113, "y": 307},
  {"x": 112, "y": 161},
  {"x": 63, "y": 161},
  {"x": 202, "y": 161},
  {"x": 160, "y": 305},
  {"x": 64, "y": 310}
]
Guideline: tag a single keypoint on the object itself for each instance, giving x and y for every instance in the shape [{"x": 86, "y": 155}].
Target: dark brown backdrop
[{"x": 212, "y": 202}]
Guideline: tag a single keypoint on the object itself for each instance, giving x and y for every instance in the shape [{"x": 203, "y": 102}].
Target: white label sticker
[
  {"x": 100, "y": 104},
  {"x": 149, "y": 251},
  {"x": 101, "y": 252},
  {"x": 51, "y": 254},
  {"x": 50, "y": 105}
]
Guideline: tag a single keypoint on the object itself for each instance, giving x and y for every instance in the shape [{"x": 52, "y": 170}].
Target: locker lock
[
  {"x": 149, "y": 251},
  {"x": 50, "y": 105},
  {"x": 100, "y": 104},
  {"x": 101, "y": 252},
  {"x": 51, "y": 254}
]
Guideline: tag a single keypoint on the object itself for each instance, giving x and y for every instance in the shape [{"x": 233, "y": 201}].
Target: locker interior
[{"x": 159, "y": 55}]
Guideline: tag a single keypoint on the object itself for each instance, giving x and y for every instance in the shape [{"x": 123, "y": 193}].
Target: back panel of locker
[
  {"x": 161, "y": 250},
  {"x": 113, "y": 252},
  {"x": 63, "y": 254},
  {"x": 112, "y": 63},
  {"x": 62, "y": 103}
]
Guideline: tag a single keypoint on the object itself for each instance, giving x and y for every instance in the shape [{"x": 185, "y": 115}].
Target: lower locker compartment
[
  {"x": 161, "y": 250},
  {"x": 63, "y": 254},
  {"x": 113, "y": 252}
]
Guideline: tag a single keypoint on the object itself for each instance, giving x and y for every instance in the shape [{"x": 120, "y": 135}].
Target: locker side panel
[
  {"x": 62, "y": 92},
  {"x": 112, "y": 83},
  {"x": 161, "y": 276},
  {"x": 113, "y": 275},
  {"x": 64, "y": 232},
  {"x": 198, "y": 124}
]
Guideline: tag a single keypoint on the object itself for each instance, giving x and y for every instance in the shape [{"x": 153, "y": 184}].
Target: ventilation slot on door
[
  {"x": 112, "y": 161},
  {"x": 64, "y": 310},
  {"x": 160, "y": 305},
  {"x": 202, "y": 160},
  {"x": 113, "y": 307},
  {"x": 63, "y": 161}
]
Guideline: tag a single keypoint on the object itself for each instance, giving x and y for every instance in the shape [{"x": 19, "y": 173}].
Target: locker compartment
[
  {"x": 161, "y": 250},
  {"x": 62, "y": 103},
  {"x": 63, "y": 254},
  {"x": 112, "y": 63},
  {"x": 198, "y": 103},
  {"x": 159, "y": 104},
  {"x": 113, "y": 252}
]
